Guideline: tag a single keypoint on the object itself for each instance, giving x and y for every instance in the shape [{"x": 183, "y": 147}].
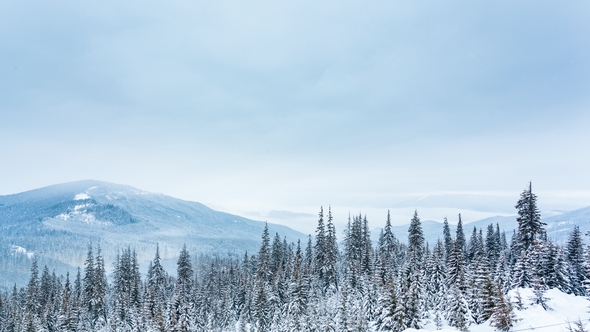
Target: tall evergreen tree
[
  {"x": 100, "y": 288},
  {"x": 448, "y": 240},
  {"x": 263, "y": 267},
  {"x": 319, "y": 264},
  {"x": 32, "y": 300},
  {"x": 460, "y": 236},
  {"x": 503, "y": 317},
  {"x": 181, "y": 308},
  {"x": 472, "y": 246},
  {"x": 530, "y": 227},
  {"x": 415, "y": 251},
  {"x": 331, "y": 257},
  {"x": 576, "y": 260}
]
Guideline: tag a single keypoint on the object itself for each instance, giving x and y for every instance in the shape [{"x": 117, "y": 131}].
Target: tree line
[{"x": 321, "y": 285}]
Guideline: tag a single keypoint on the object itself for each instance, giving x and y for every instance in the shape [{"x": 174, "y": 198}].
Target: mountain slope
[{"x": 57, "y": 223}]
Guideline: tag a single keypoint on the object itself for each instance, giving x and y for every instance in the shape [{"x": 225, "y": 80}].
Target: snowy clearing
[{"x": 564, "y": 308}]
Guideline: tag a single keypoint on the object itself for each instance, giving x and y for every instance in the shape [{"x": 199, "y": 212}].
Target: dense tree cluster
[{"x": 318, "y": 286}]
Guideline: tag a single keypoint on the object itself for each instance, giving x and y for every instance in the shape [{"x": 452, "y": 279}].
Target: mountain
[
  {"x": 559, "y": 226},
  {"x": 56, "y": 224}
]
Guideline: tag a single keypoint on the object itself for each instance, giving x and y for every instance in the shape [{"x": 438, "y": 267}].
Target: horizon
[{"x": 400, "y": 216}]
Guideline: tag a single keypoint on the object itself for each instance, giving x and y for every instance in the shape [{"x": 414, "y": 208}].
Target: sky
[{"x": 271, "y": 109}]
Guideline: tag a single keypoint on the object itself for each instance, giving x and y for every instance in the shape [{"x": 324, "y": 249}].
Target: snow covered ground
[{"x": 564, "y": 308}]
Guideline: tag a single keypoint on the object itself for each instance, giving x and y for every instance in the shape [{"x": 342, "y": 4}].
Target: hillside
[{"x": 57, "y": 223}]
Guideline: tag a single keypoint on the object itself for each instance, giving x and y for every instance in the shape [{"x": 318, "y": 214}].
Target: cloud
[{"x": 273, "y": 106}]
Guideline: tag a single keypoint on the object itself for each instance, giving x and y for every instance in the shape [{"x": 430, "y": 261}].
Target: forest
[{"x": 326, "y": 284}]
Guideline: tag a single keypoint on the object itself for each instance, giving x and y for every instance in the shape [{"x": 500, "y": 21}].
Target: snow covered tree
[
  {"x": 458, "y": 310},
  {"x": 263, "y": 267},
  {"x": 530, "y": 227},
  {"x": 32, "y": 300},
  {"x": 331, "y": 256},
  {"x": 448, "y": 240},
  {"x": 157, "y": 282},
  {"x": 180, "y": 319},
  {"x": 503, "y": 317},
  {"x": 576, "y": 261},
  {"x": 415, "y": 251},
  {"x": 388, "y": 304},
  {"x": 460, "y": 236}
]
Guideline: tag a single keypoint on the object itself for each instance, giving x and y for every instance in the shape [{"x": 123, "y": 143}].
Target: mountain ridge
[
  {"x": 558, "y": 226},
  {"x": 58, "y": 222}
]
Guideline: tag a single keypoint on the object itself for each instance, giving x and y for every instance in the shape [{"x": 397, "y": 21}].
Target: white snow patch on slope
[
  {"x": 21, "y": 250},
  {"x": 564, "y": 308},
  {"x": 81, "y": 196}
]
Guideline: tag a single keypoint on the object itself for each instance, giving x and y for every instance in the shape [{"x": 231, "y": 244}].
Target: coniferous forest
[{"x": 326, "y": 284}]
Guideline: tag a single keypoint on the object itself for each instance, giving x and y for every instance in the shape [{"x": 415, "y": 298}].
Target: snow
[
  {"x": 21, "y": 250},
  {"x": 564, "y": 308},
  {"x": 81, "y": 196}
]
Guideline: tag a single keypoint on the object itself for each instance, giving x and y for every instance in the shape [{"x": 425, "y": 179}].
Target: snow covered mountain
[{"x": 57, "y": 223}]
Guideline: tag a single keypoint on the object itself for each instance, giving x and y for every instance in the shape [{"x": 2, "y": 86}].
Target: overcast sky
[{"x": 259, "y": 106}]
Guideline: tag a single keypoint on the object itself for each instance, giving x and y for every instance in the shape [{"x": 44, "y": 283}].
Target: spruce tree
[
  {"x": 181, "y": 307},
  {"x": 472, "y": 246},
  {"x": 32, "y": 300},
  {"x": 415, "y": 249},
  {"x": 319, "y": 249},
  {"x": 331, "y": 256},
  {"x": 458, "y": 310},
  {"x": 530, "y": 227},
  {"x": 263, "y": 267},
  {"x": 100, "y": 291},
  {"x": 503, "y": 317},
  {"x": 448, "y": 240},
  {"x": 460, "y": 236},
  {"x": 575, "y": 258}
]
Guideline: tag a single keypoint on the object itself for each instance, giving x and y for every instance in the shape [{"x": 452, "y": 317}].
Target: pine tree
[
  {"x": 438, "y": 278},
  {"x": 458, "y": 310},
  {"x": 578, "y": 326},
  {"x": 576, "y": 261},
  {"x": 448, "y": 240},
  {"x": 460, "y": 236},
  {"x": 331, "y": 257},
  {"x": 530, "y": 227},
  {"x": 415, "y": 249},
  {"x": 493, "y": 245},
  {"x": 89, "y": 303},
  {"x": 472, "y": 246},
  {"x": 156, "y": 290},
  {"x": 539, "y": 295},
  {"x": 503, "y": 317},
  {"x": 263, "y": 267},
  {"x": 367, "y": 250},
  {"x": 32, "y": 300},
  {"x": 412, "y": 275},
  {"x": 456, "y": 274},
  {"x": 277, "y": 254},
  {"x": 319, "y": 249},
  {"x": 100, "y": 288},
  {"x": 45, "y": 288},
  {"x": 386, "y": 252},
  {"x": 182, "y": 304},
  {"x": 66, "y": 320},
  {"x": 262, "y": 310},
  {"x": 344, "y": 323},
  {"x": 522, "y": 276}
]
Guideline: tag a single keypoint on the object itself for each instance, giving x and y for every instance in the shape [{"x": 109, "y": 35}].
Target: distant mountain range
[
  {"x": 57, "y": 223},
  {"x": 558, "y": 227}
]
